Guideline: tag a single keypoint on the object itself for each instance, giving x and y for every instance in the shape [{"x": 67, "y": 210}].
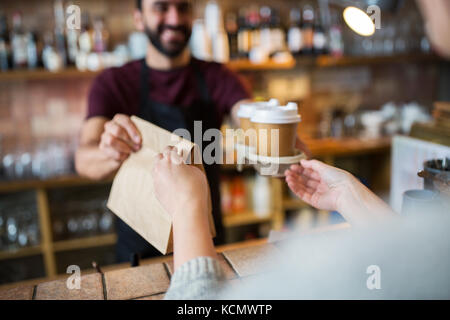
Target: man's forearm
[{"x": 92, "y": 163}]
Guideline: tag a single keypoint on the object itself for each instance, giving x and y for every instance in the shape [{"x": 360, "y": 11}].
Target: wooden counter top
[{"x": 151, "y": 279}]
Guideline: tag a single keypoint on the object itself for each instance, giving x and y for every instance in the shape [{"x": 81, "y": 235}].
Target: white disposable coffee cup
[
  {"x": 245, "y": 113},
  {"x": 276, "y": 130}
]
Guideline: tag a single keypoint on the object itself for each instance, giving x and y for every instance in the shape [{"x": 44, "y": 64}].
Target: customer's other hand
[
  {"x": 180, "y": 188},
  {"x": 320, "y": 185}
]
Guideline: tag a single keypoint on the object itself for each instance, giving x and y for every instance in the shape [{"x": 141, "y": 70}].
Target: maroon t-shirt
[{"x": 117, "y": 90}]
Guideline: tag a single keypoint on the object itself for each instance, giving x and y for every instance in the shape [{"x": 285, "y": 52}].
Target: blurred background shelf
[
  {"x": 243, "y": 218},
  {"x": 20, "y": 253},
  {"x": 39, "y": 106},
  {"x": 57, "y": 182},
  {"x": 329, "y": 61},
  {"x": 293, "y": 204},
  {"x": 238, "y": 65},
  {"x": 87, "y": 242}
]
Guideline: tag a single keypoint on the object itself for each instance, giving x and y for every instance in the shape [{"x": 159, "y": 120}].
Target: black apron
[{"x": 171, "y": 118}]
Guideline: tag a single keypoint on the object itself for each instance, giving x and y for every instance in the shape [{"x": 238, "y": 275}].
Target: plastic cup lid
[
  {"x": 278, "y": 115},
  {"x": 246, "y": 109}
]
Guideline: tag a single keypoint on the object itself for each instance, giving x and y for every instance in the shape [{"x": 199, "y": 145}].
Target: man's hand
[
  {"x": 180, "y": 188},
  {"x": 120, "y": 138}
]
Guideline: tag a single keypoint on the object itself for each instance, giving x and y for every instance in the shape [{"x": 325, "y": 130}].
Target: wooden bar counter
[{"x": 151, "y": 280}]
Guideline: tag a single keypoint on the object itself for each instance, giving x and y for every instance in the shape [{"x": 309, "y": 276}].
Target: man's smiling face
[{"x": 168, "y": 24}]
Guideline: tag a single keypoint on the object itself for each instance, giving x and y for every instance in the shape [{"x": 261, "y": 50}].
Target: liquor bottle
[
  {"x": 85, "y": 38},
  {"x": 336, "y": 45},
  {"x": 294, "y": 37},
  {"x": 278, "y": 33},
  {"x": 19, "y": 41},
  {"x": 4, "y": 43},
  {"x": 255, "y": 24},
  {"x": 320, "y": 45},
  {"x": 60, "y": 39},
  {"x": 307, "y": 28},
  {"x": 238, "y": 195},
  {"x": 266, "y": 28},
  {"x": 244, "y": 34},
  {"x": 231, "y": 27},
  {"x": 51, "y": 59},
  {"x": 99, "y": 36},
  {"x": 72, "y": 45},
  {"x": 32, "y": 54}
]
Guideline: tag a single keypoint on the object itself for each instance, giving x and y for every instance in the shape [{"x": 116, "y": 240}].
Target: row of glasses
[
  {"x": 19, "y": 224},
  {"x": 47, "y": 159},
  {"x": 83, "y": 219},
  {"x": 396, "y": 36}
]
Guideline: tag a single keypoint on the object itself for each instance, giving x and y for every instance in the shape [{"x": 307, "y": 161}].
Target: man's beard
[{"x": 177, "y": 48}]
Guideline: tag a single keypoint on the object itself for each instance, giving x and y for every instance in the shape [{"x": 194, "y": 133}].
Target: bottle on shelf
[
  {"x": 307, "y": 28},
  {"x": 60, "y": 38},
  {"x": 266, "y": 29},
  {"x": 238, "y": 203},
  {"x": 336, "y": 44},
  {"x": 85, "y": 38},
  {"x": 225, "y": 195},
  {"x": 254, "y": 20},
  {"x": 32, "y": 52},
  {"x": 4, "y": 43},
  {"x": 51, "y": 59},
  {"x": 99, "y": 36},
  {"x": 232, "y": 28},
  {"x": 294, "y": 36},
  {"x": 19, "y": 42},
  {"x": 320, "y": 41},
  {"x": 277, "y": 33},
  {"x": 244, "y": 34},
  {"x": 262, "y": 196}
]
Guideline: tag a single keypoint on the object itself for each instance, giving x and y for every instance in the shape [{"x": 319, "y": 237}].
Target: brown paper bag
[{"x": 132, "y": 196}]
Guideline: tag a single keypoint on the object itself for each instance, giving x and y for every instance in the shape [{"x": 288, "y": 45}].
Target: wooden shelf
[
  {"x": 347, "y": 146},
  {"x": 20, "y": 253},
  {"x": 42, "y": 74},
  {"x": 244, "y": 218},
  {"x": 293, "y": 204},
  {"x": 329, "y": 61},
  {"x": 58, "y": 182},
  {"x": 83, "y": 243},
  {"x": 236, "y": 65},
  {"x": 247, "y": 65}
]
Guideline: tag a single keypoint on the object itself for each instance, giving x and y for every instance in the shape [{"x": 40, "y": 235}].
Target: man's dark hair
[{"x": 139, "y": 4}]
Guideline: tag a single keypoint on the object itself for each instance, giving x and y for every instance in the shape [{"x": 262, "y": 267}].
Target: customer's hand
[
  {"x": 120, "y": 138},
  {"x": 180, "y": 188},
  {"x": 318, "y": 184},
  {"x": 328, "y": 188}
]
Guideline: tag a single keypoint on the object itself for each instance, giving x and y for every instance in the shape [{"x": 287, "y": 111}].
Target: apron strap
[
  {"x": 201, "y": 82},
  {"x": 145, "y": 89}
]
